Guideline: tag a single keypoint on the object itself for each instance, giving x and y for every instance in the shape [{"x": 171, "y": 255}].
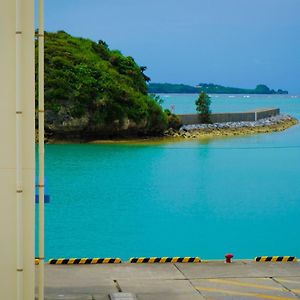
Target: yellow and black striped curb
[
  {"x": 143, "y": 260},
  {"x": 275, "y": 259},
  {"x": 84, "y": 261}
]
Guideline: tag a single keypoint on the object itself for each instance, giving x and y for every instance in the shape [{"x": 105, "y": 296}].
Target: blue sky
[{"x": 231, "y": 42}]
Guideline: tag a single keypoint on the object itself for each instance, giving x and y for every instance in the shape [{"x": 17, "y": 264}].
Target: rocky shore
[
  {"x": 196, "y": 131},
  {"x": 272, "y": 124}
]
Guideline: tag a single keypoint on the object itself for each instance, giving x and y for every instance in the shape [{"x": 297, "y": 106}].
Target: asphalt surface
[{"x": 185, "y": 281}]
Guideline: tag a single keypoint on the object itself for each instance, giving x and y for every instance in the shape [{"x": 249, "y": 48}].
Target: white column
[
  {"x": 28, "y": 87},
  {"x": 8, "y": 220},
  {"x": 41, "y": 226},
  {"x": 8, "y": 153}
]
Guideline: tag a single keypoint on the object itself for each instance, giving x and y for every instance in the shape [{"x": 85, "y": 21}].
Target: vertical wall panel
[
  {"x": 27, "y": 89},
  {"x": 8, "y": 148}
]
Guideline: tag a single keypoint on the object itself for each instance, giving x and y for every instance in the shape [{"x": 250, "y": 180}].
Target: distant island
[{"x": 210, "y": 88}]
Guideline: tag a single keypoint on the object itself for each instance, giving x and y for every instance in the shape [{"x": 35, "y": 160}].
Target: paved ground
[{"x": 206, "y": 280}]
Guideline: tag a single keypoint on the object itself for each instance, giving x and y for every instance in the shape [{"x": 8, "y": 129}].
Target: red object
[{"x": 228, "y": 257}]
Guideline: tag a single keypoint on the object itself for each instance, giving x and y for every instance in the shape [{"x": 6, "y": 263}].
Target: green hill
[
  {"x": 91, "y": 90},
  {"x": 219, "y": 89},
  {"x": 208, "y": 88},
  {"x": 161, "y": 88}
]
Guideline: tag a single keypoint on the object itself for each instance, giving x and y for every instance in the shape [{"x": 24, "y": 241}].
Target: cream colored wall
[{"x": 8, "y": 148}]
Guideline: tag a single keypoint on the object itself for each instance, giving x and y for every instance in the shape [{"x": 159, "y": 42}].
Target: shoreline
[
  {"x": 197, "y": 131},
  {"x": 268, "y": 125}
]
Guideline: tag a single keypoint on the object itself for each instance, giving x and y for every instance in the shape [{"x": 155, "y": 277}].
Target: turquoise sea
[{"x": 204, "y": 198}]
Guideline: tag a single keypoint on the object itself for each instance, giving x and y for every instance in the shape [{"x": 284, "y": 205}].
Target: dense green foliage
[
  {"x": 85, "y": 80},
  {"x": 173, "y": 120},
  {"x": 209, "y": 88},
  {"x": 203, "y": 107}
]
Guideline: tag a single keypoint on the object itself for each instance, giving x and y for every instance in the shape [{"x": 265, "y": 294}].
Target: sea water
[{"x": 192, "y": 198}]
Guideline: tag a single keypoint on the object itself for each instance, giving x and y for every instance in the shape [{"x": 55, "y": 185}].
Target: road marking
[
  {"x": 235, "y": 293},
  {"x": 296, "y": 291},
  {"x": 285, "y": 280},
  {"x": 253, "y": 285}
]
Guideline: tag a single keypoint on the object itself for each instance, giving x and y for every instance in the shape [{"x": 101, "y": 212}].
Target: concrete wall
[
  {"x": 8, "y": 154},
  {"x": 231, "y": 117},
  {"x": 262, "y": 114}
]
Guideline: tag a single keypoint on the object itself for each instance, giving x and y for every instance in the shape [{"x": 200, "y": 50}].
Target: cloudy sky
[{"x": 230, "y": 42}]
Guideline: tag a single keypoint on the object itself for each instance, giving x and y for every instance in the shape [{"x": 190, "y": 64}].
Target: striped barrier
[
  {"x": 275, "y": 259},
  {"x": 84, "y": 261},
  {"x": 152, "y": 260}
]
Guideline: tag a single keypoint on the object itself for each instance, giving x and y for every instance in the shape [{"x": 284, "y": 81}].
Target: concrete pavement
[{"x": 206, "y": 280}]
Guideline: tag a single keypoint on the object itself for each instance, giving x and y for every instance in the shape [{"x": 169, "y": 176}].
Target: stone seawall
[
  {"x": 267, "y": 125},
  {"x": 250, "y": 116}
]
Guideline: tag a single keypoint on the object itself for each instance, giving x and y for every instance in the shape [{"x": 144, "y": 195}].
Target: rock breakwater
[{"x": 272, "y": 124}]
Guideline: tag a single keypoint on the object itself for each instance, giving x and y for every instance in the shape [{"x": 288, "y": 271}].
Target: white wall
[{"x": 8, "y": 147}]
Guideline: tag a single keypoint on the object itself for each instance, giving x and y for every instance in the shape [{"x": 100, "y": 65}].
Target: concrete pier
[{"x": 181, "y": 281}]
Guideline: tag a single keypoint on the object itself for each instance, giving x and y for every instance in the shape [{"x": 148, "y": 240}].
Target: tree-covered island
[
  {"x": 94, "y": 92},
  {"x": 209, "y": 88}
]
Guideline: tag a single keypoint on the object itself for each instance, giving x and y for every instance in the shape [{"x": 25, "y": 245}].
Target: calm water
[{"x": 205, "y": 198}]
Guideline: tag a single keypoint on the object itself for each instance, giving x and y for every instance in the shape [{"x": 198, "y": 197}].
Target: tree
[
  {"x": 262, "y": 89},
  {"x": 143, "y": 69},
  {"x": 202, "y": 106}
]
